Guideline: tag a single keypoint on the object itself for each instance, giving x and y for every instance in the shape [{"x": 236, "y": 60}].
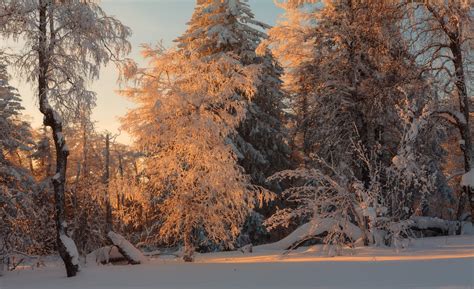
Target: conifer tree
[
  {"x": 229, "y": 26},
  {"x": 188, "y": 107},
  {"x": 16, "y": 183}
]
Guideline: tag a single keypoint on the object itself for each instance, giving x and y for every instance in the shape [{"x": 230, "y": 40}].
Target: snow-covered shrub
[
  {"x": 253, "y": 231},
  {"x": 320, "y": 196},
  {"x": 380, "y": 205}
]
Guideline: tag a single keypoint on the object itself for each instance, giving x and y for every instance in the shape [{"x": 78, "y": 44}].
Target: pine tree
[{"x": 229, "y": 26}]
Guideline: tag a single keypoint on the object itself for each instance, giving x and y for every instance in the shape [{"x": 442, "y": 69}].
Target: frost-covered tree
[
  {"x": 361, "y": 105},
  {"x": 443, "y": 38},
  {"x": 16, "y": 183},
  {"x": 351, "y": 211},
  {"x": 188, "y": 108},
  {"x": 14, "y": 133},
  {"x": 86, "y": 193},
  {"x": 346, "y": 84},
  {"x": 65, "y": 44},
  {"x": 229, "y": 26}
]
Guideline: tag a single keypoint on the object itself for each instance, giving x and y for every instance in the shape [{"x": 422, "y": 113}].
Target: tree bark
[
  {"x": 464, "y": 127},
  {"x": 51, "y": 119}
]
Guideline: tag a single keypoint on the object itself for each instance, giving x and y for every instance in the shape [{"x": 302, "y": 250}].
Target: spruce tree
[
  {"x": 229, "y": 26},
  {"x": 16, "y": 183}
]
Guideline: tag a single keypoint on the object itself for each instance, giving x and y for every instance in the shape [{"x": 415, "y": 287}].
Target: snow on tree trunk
[
  {"x": 70, "y": 248},
  {"x": 132, "y": 254},
  {"x": 467, "y": 179},
  {"x": 52, "y": 119},
  {"x": 65, "y": 44}
]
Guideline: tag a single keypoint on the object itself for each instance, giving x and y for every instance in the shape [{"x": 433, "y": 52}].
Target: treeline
[{"x": 353, "y": 115}]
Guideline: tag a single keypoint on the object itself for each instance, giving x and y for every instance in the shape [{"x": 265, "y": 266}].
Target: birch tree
[{"x": 65, "y": 44}]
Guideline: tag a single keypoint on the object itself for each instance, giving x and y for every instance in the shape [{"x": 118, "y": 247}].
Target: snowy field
[{"x": 442, "y": 262}]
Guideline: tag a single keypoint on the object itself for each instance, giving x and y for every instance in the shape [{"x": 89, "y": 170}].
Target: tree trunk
[
  {"x": 108, "y": 208},
  {"x": 464, "y": 127},
  {"x": 51, "y": 119},
  {"x": 188, "y": 245}
]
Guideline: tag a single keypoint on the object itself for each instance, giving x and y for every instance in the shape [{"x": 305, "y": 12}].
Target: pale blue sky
[{"x": 151, "y": 21}]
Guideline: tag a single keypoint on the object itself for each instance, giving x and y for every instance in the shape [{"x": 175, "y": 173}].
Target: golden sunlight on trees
[{"x": 347, "y": 124}]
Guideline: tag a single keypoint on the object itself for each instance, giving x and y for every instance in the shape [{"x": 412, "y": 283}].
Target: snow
[
  {"x": 442, "y": 262},
  {"x": 468, "y": 179},
  {"x": 467, "y": 228},
  {"x": 311, "y": 229},
  {"x": 428, "y": 222},
  {"x": 70, "y": 248},
  {"x": 128, "y": 249},
  {"x": 104, "y": 255}
]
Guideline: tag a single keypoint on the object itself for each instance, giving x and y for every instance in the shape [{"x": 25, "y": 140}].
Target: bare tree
[{"x": 65, "y": 44}]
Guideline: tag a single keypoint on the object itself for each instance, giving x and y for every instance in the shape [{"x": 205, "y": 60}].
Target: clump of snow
[
  {"x": 70, "y": 248},
  {"x": 247, "y": 249},
  {"x": 467, "y": 179},
  {"x": 126, "y": 248}
]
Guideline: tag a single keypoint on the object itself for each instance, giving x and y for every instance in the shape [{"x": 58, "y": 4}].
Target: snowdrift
[{"x": 313, "y": 228}]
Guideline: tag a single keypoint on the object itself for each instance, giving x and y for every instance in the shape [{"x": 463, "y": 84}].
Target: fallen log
[{"x": 132, "y": 254}]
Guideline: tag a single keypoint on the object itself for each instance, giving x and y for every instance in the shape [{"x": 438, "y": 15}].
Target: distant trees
[{"x": 65, "y": 45}]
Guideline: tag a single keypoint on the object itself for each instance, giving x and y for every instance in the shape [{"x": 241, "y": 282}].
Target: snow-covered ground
[{"x": 442, "y": 262}]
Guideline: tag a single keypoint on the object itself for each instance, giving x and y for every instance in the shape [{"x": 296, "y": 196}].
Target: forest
[{"x": 347, "y": 124}]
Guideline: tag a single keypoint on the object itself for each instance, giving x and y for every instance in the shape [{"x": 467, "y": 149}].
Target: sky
[{"x": 151, "y": 21}]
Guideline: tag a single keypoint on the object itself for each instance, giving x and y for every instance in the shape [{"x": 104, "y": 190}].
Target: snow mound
[
  {"x": 313, "y": 228},
  {"x": 423, "y": 223},
  {"x": 467, "y": 179},
  {"x": 70, "y": 248},
  {"x": 104, "y": 255},
  {"x": 467, "y": 228},
  {"x": 129, "y": 251}
]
